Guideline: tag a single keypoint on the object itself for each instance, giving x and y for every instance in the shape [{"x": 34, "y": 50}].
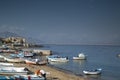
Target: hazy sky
[{"x": 63, "y": 21}]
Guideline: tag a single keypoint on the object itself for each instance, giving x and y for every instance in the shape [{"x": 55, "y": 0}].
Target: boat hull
[
  {"x": 58, "y": 59},
  {"x": 13, "y": 70},
  {"x": 13, "y": 60},
  {"x": 79, "y": 58},
  {"x": 94, "y": 72}
]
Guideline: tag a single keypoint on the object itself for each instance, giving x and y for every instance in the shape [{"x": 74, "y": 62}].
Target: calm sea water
[{"x": 97, "y": 57}]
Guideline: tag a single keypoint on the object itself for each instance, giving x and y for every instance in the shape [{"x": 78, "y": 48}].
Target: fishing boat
[
  {"x": 35, "y": 61},
  {"x": 4, "y": 77},
  {"x": 80, "y": 56},
  {"x": 13, "y": 59},
  {"x": 29, "y": 77},
  {"x": 6, "y": 64},
  {"x": 92, "y": 72},
  {"x": 56, "y": 58},
  {"x": 13, "y": 70},
  {"x": 28, "y": 54}
]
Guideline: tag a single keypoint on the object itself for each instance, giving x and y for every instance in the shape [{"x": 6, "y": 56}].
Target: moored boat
[
  {"x": 92, "y": 72},
  {"x": 56, "y": 58},
  {"x": 80, "y": 56}
]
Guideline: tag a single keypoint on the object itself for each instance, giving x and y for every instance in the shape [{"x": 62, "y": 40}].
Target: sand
[{"x": 52, "y": 73}]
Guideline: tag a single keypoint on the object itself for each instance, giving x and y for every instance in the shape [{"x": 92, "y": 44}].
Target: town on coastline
[
  {"x": 14, "y": 50},
  {"x": 18, "y": 61},
  {"x": 12, "y": 43}
]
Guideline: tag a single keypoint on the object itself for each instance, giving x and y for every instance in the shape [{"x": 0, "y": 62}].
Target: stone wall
[{"x": 42, "y": 52}]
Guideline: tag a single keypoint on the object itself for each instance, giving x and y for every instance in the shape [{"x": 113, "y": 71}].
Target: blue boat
[{"x": 2, "y": 77}]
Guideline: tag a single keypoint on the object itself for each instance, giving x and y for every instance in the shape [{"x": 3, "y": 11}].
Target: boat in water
[
  {"x": 56, "y": 58},
  {"x": 93, "y": 72},
  {"x": 80, "y": 56}
]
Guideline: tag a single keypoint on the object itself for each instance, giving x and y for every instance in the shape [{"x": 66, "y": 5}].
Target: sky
[{"x": 85, "y": 22}]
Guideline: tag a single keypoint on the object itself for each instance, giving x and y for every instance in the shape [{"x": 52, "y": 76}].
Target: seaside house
[{"x": 15, "y": 41}]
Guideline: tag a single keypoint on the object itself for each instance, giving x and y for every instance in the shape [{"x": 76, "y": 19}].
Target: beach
[{"x": 52, "y": 73}]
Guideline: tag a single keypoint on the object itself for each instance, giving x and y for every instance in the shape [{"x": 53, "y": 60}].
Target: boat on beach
[
  {"x": 6, "y": 64},
  {"x": 92, "y": 72},
  {"x": 56, "y": 58},
  {"x": 13, "y": 59},
  {"x": 13, "y": 70},
  {"x": 80, "y": 56},
  {"x": 29, "y": 77},
  {"x": 35, "y": 61}
]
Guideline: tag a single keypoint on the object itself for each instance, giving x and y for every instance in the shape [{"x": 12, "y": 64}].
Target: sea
[{"x": 98, "y": 56}]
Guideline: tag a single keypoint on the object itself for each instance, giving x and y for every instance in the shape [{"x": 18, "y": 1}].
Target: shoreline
[{"x": 53, "y": 73}]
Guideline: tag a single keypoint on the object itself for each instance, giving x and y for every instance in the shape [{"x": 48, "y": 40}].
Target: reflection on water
[
  {"x": 93, "y": 77},
  {"x": 97, "y": 57},
  {"x": 80, "y": 62}
]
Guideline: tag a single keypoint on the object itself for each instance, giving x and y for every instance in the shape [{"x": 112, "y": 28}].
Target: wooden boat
[
  {"x": 42, "y": 62},
  {"x": 31, "y": 61},
  {"x": 13, "y": 70},
  {"x": 56, "y": 58},
  {"x": 4, "y": 77},
  {"x": 13, "y": 59},
  {"x": 29, "y": 77},
  {"x": 35, "y": 61},
  {"x": 28, "y": 54},
  {"x": 92, "y": 72},
  {"x": 81, "y": 56},
  {"x": 5, "y": 64}
]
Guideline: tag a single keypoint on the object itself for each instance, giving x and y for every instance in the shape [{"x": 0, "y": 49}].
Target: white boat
[
  {"x": 29, "y": 77},
  {"x": 80, "y": 56},
  {"x": 35, "y": 61},
  {"x": 28, "y": 54},
  {"x": 6, "y": 64},
  {"x": 13, "y": 70},
  {"x": 13, "y": 59},
  {"x": 56, "y": 58},
  {"x": 92, "y": 72}
]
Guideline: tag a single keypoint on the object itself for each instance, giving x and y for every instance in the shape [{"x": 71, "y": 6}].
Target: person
[
  {"x": 37, "y": 72},
  {"x": 43, "y": 73},
  {"x": 40, "y": 72}
]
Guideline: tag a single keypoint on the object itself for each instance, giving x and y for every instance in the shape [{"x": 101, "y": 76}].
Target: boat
[
  {"x": 35, "y": 61},
  {"x": 5, "y": 64},
  {"x": 28, "y": 54},
  {"x": 42, "y": 62},
  {"x": 118, "y": 55},
  {"x": 13, "y": 70},
  {"x": 80, "y": 56},
  {"x": 56, "y": 58},
  {"x": 4, "y": 77},
  {"x": 28, "y": 77},
  {"x": 30, "y": 61},
  {"x": 13, "y": 59},
  {"x": 92, "y": 72}
]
